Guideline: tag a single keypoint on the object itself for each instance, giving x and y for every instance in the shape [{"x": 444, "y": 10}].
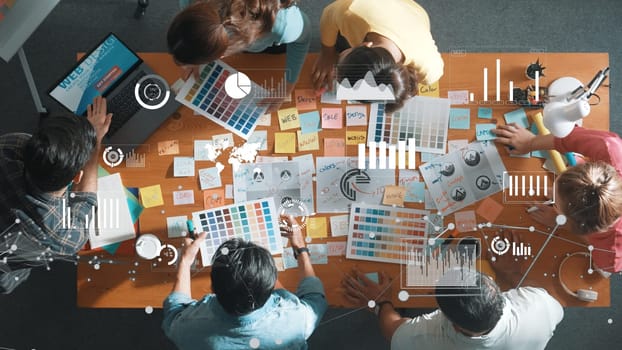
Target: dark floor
[{"x": 42, "y": 314}]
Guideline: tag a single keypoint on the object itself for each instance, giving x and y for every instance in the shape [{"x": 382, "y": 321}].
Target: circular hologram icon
[
  {"x": 238, "y": 85},
  {"x": 560, "y": 219},
  {"x": 403, "y": 295},
  {"x": 152, "y": 91},
  {"x": 500, "y": 246},
  {"x": 371, "y": 304},
  {"x": 113, "y": 157}
]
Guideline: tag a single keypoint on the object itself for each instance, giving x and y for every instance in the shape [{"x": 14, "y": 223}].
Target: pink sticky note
[
  {"x": 459, "y": 97},
  {"x": 334, "y": 147},
  {"x": 336, "y": 248},
  {"x": 465, "y": 221},
  {"x": 489, "y": 209},
  {"x": 305, "y": 100},
  {"x": 332, "y": 118}
]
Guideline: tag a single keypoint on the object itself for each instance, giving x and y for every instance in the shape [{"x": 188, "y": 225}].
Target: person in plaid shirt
[{"x": 35, "y": 174}]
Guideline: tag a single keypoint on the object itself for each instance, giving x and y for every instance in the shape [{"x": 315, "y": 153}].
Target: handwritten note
[
  {"x": 483, "y": 132},
  {"x": 334, "y": 147},
  {"x": 356, "y": 115},
  {"x": 305, "y": 99},
  {"x": 288, "y": 118},
  {"x": 310, "y": 122},
  {"x": 355, "y": 137},
  {"x": 517, "y": 116},
  {"x": 176, "y": 226},
  {"x": 484, "y": 113},
  {"x": 465, "y": 221},
  {"x": 223, "y": 141},
  {"x": 183, "y": 166},
  {"x": 166, "y": 148},
  {"x": 454, "y": 145},
  {"x": 316, "y": 227},
  {"x": 427, "y": 156},
  {"x": 489, "y": 209},
  {"x": 284, "y": 142},
  {"x": 183, "y": 197},
  {"x": 209, "y": 178},
  {"x": 265, "y": 120},
  {"x": 459, "y": 97},
  {"x": 306, "y": 163},
  {"x": 203, "y": 150},
  {"x": 319, "y": 253},
  {"x": 260, "y": 137},
  {"x": 151, "y": 196},
  {"x": 330, "y": 97},
  {"x": 431, "y": 90},
  {"x": 415, "y": 192},
  {"x": 339, "y": 225},
  {"x": 459, "y": 118},
  {"x": 336, "y": 248},
  {"x": 213, "y": 198},
  {"x": 394, "y": 195},
  {"x": 308, "y": 142},
  {"x": 332, "y": 118}
]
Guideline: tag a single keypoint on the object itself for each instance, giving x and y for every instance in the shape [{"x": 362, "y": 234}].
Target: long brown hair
[
  {"x": 591, "y": 196},
  {"x": 207, "y": 30}
]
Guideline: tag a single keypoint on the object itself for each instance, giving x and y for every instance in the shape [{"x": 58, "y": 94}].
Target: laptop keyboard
[{"x": 123, "y": 105}]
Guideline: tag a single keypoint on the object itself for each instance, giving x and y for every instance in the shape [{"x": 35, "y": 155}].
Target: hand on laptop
[{"x": 97, "y": 116}]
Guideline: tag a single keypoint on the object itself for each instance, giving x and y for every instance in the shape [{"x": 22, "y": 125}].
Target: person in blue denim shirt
[
  {"x": 245, "y": 311},
  {"x": 208, "y": 30}
]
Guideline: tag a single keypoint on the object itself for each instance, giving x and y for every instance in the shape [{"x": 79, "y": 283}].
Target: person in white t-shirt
[{"x": 467, "y": 318}]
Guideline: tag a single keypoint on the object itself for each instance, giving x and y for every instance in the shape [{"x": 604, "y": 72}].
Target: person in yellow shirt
[{"x": 390, "y": 38}]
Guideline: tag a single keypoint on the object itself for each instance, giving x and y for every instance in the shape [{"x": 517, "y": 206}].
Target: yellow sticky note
[
  {"x": 316, "y": 227},
  {"x": 288, "y": 118},
  {"x": 432, "y": 90},
  {"x": 151, "y": 196},
  {"x": 394, "y": 195},
  {"x": 284, "y": 142},
  {"x": 356, "y": 137},
  {"x": 308, "y": 142}
]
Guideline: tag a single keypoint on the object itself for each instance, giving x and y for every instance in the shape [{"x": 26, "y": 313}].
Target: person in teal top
[{"x": 205, "y": 31}]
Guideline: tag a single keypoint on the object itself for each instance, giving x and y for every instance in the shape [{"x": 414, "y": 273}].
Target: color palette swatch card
[
  {"x": 255, "y": 221},
  {"x": 379, "y": 233},
  {"x": 207, "y": 96},
  {"x": 423, "y": 118}
]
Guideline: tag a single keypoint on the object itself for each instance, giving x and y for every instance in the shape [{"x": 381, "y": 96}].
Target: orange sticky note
[
  {"x": 465, "y": 221},
  {"x": 288, "y": 118},
  {"x": 151, "y": 196},
  {"x": 394, "y": 195},
  {"x": 168, "y": 147},
  {"x": 332, "y": 118},
  {"x": 284, "y": 142},
  {"x": 305, "y": 99},
  {"x": 308, "y": 142},
  {"x": 316, "y": 227},
  {"x": 213, "y": 198},
  {"x": 353, "y": 138},
  {"x": 489, "y": 209},
  {"x": 334, "y": 147}
]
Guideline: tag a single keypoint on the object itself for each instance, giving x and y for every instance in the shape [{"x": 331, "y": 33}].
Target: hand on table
[
  {"x": 289, "y": 228},
  {"x": 545, "y": 215},
  {"x": 322, "y": 73},
  {"x": 191, "y": 248},
  {"x": 516, "y": 137},
  {"x": 360, "y": 290},
  {"x": 506, "y": 267},
  {"x": 97, "y": 116}
]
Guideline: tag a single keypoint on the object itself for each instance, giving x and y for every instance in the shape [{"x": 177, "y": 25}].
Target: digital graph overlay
[
  {"x": 365, "y": 89},
  {"x": 425, "y": 119},
  {"x": 520, "y": 187},
  {"x": 378, "y": 151},
  {"x": 256, "y": 221}
]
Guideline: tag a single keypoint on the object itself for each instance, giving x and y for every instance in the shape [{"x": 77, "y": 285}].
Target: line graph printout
[
  {"x": 208, "y": 97},
  {"x": 425, "y": 119}
]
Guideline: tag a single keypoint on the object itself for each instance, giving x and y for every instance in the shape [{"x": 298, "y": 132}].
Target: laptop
[{"x": 112, "y": 70}]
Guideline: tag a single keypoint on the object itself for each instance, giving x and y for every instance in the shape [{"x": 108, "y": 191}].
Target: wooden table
[{"x": 127, "y": 281}]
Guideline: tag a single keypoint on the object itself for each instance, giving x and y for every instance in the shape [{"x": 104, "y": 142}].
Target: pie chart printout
[{"x": 238, "y": 85}]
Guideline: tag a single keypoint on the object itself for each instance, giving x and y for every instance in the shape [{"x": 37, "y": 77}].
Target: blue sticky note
[
  {"x": 483, "y": 132},
  {"x": 309, "y": 122},
  {"x": 484, "y": 113},
  {"x": 415, "y": 192},
  {"x": 427, "y": 156},
  {"x": 459, "y": 118},
  {"x": 319, "y": 253},
  {"x": 517, "y": 116}
]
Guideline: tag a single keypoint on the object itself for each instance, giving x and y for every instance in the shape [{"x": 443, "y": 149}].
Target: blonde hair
[{"x": 590, "y": 196}]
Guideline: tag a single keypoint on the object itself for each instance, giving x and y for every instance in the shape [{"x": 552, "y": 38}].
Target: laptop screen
[{"x": 95, "y": 74}]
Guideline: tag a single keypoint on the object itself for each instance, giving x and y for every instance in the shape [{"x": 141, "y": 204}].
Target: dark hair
[
  {"x": 243, "y": 276},
  {"x": 58, "y": 151},
  {"x": 207, "y": 30},
  {"x": 382, "y": 65},
  {"x": 590, "y": 196},
  {"x": 476, "y": 309}
]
